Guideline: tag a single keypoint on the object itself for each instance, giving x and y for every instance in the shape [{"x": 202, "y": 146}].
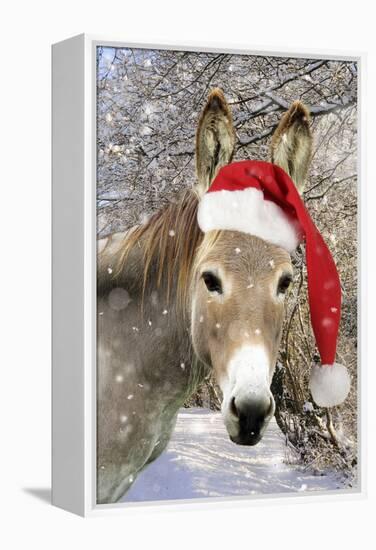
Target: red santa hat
[{"x": 260, "y": 199}]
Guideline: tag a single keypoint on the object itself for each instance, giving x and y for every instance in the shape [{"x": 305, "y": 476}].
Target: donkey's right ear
[
  {"x": 291, "y": 146},
  {"x": 215, "y": 140}
]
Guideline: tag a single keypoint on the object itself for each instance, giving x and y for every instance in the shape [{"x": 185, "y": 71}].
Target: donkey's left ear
[
  {"x": 215, "y": 139},
  {"x": 291, "y": 146}
]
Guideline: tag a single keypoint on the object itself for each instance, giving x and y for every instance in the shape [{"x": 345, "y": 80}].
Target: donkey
[{"x": 175, "y": 304}]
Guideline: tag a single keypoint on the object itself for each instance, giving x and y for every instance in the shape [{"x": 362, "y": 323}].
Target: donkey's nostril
[{"x": 233, "y": 408}]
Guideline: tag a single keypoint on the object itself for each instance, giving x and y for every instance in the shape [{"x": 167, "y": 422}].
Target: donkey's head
[{"x": 241, "y": 281}]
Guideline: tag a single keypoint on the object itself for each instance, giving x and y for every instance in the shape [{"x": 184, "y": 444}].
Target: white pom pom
[{"x": 329, "y": 384}]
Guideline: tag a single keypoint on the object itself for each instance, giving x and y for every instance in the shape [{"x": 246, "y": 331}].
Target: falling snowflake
[
  {"x": 135, "y": 329},
  {"x": 149, "y": 323},
  {"x": 171, "y": 233},
  {"x": 118, "y": 298},
  {"x": 218, "y": 325},
  {"x": 257, "y": 331},
  {"x": 333, "y": 239},
  {"x": 109, "y": 269},
  {"x": 237, "y": 250},
  {"x": 130, "y": 396},
  {"x": 154, "y": 298},
  {"x": 201, "y": 318},
  {"x": 307, "y": 407},
  {"x": 251, "y": 285},
  {"x": 144, "y": 218},
  {"x": 140, "y": 385},
  {"x": 333, "y": 309},
  {"x": 119, "y": 378},
  {"x": 146, "y": 130},
  {"x": 182, "y": 366},
  {"x": 149, "y": 109},
  {"x": 327, "y": 322},
  {"x": 164, "y": 312},
  {"x": 129, "y": 368},
  {"x": 329, "y": 283},
  {"x": 123, "y": 418},
  {"x": 272, "y": 264}
]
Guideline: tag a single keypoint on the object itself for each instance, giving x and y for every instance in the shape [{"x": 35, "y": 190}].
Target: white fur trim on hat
[
  {"x": 329, "y": 384},
  {"x": 247, "y": 211}
]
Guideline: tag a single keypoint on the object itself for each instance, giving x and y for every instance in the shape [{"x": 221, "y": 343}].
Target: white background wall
[{"x": 27, "y": 30}]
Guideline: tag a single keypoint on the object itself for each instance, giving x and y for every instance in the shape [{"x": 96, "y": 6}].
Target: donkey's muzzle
[{"x": 253, "y": 417}]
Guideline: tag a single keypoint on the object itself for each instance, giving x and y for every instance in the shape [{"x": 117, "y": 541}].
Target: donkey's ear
[
  {"x": 291, "y": 146},
  {"x": 215, "y": 139}
]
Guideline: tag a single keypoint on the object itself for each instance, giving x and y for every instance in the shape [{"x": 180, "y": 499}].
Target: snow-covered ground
[{"x": 201, "y": 461}]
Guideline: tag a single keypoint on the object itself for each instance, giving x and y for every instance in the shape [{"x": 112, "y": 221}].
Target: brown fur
[{"x": 243, "y": 309}]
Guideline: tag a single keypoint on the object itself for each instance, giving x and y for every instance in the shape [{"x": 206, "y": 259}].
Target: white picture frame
[{"x": 74, "y": 277}]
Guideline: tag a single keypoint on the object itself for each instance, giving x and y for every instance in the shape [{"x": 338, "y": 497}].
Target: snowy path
[{"x": 201, "y": 461}]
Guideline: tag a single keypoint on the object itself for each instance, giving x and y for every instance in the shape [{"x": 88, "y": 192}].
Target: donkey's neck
[
  {"x": 153, "y": 264},
  {"x": 159, "y": 253}
]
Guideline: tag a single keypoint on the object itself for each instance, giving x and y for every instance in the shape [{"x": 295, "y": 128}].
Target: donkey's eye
[
  {"x": 283, "y": 284},
  {"x": 212, "y": 282}
]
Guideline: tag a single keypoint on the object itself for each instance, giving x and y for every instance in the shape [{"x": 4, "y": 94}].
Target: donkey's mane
[{"x": 170, "y": 239}]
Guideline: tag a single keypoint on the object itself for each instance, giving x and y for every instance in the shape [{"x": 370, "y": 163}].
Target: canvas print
[{"x": 226, "y": 275}]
